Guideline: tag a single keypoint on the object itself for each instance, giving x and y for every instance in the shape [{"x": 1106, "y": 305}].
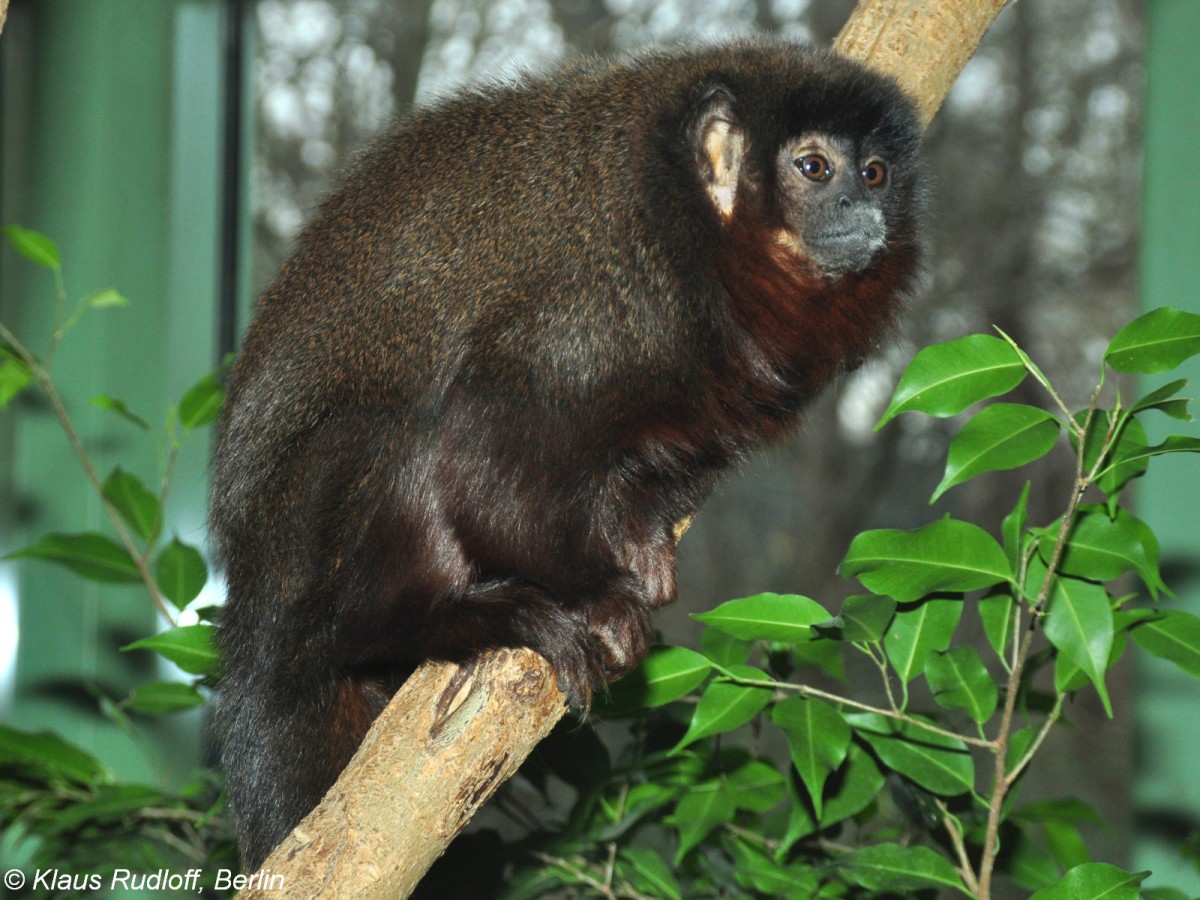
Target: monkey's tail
[{"x": 285, "y": 740}]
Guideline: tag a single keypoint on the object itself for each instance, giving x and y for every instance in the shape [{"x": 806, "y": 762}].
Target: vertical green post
[{"x": 1166, "y": 782}]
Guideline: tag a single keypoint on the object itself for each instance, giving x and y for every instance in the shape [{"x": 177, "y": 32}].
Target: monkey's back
[{"x": 549, "y": 235}]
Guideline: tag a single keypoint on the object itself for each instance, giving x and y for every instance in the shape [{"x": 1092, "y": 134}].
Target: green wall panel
[{"x": 1167, "y": 777}]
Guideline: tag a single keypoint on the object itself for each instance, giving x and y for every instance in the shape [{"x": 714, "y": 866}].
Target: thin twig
[
  {"x": 1024, "y": 761},
  {"x": 965, "y": 869}
]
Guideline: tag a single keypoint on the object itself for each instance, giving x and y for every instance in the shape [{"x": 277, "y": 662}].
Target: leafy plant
[
  {"x": 907, "y": 797},
  {"x": 79, "y": 816}
]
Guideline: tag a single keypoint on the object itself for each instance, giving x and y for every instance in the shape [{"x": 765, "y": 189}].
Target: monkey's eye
[
  {"x": 874, "y": 173},
  {"x": 815, "y": 167}
]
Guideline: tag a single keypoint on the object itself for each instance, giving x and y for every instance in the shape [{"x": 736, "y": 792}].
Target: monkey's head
[
  {"x": 810, "y": 164},
  {"x": 828, "y": 165}
]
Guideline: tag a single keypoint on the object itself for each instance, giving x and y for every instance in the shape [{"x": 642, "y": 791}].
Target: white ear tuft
[{"x": 720, "y": 147}]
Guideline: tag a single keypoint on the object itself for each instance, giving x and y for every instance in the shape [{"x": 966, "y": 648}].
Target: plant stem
[
  {"x": 965, "y": 869},
  {"x": 1002, "y": 778}
]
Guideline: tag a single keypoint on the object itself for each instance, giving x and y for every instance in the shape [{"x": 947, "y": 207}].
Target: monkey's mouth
[{"x": 844, "y": 251}]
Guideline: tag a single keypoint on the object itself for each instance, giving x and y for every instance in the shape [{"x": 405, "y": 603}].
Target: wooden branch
[
  {"x": 923, "y": 45},
  {"x": 449, "y": 738},
  {"x": 453, "y": 734}
]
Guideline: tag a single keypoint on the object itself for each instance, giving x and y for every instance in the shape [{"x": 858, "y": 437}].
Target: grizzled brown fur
[{"x": 520, "y": 341}]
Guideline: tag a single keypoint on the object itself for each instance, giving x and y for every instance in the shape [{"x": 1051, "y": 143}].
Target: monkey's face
[
  {"x": 827, "y": 178},
  {"x": 832, "y": 195}
]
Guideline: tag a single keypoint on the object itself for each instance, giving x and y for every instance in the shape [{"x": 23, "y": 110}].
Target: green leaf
[
  {"x": 90, "y": 555},
  {"x": 821, "y": 656},
  {"x": 15, "y": 375},
  {"x": 161, "y": 698},
  {"x": 529, "y": 884},
  {"x": 892, "y": 868},
  {"x": 1059, "y": 809},
  {"x": 863, "y": 617},
  {"x": 202, "y": 403},
  {"x": 1030, "y": 865},
  {"x": 181, "y": 573},
  {"x": 105, "y": 299},
  {"x": 1156, "y": 342},
  {"x": 769, "y": 617},
  {"x": 756, "y": 870},
  {"x": 1163, "y": 399},
  {"x": 190, "y": 647},
  {"x": 649, "y": 872},
  {"x": 1019, "y": 743},
  {"x": 948, "y": 555},
  {"x": 34, "y": 246},
  {"x": 1079, "y": 623},
  {"x": 723, "y": 648},
  {"x": 1013, "y": 530},
  {"x": 851, "y": 790},
  {"x": 944, "y": 379},
  {"x": 725, "y": 706},
  {"x": 700, "y": 811},
  {"x": 1101, "y": 549},
  {"x": 1176, "y": 443},
  {"x": 137, "y": 506},
  {"x": 1094, "y": 881},
  {"x": 639, "y": 802},
  {"x": 666, "y": 674},
  {"x": 1001, "y": 436},
  {"x": 1174, "y": 636},
  {"x": 960, "y": 681},
  {"x": 940, "y": 764},
  {"x": 918, "y": 632},
  {"x": 1066, "y": 844},
  {"x": 756, "y": 786},
  {"x": 114, "y": 404},
  {"x": 111, "y": 804},
  {"x": 50, "y": 754},
  {"x": 996, "y": 613},
  {"x": 818, "y": 738}
]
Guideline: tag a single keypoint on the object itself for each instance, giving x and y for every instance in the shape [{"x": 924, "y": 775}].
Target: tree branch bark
[
  {"x": 923, "y": 45},
  {"x": 448, "y": 739},
  {"x": 453, "y": 734}
]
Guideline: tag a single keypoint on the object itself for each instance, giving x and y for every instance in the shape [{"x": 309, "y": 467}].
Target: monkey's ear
[{"x": 719, "y": 144}]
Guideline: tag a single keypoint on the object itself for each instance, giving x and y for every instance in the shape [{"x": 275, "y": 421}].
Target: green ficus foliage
[
  {"x": 62, "y": 803},
  {"x": 894, "y": 800}
]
